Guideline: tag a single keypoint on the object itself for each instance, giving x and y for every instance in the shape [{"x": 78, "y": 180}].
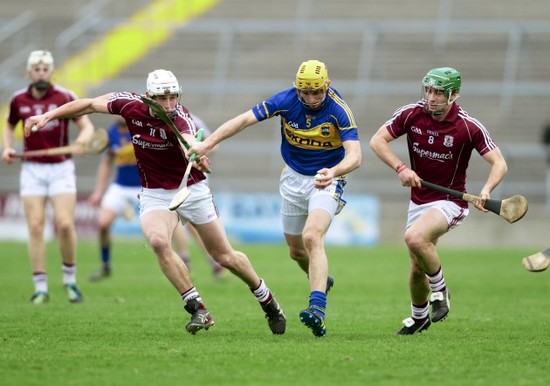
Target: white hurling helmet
[
  {"x": 39, "y": 56},
  {"x": 162, "y": 82}
]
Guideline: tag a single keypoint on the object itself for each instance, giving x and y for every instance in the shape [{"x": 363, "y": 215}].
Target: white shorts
[
  {"x": 47, "y": 180},
  {"x": 118, "y": 197},
  {"x": 299, "y": 197},
  {"x": 199, "y": 208},
  {"x": 453, "y": 213}
]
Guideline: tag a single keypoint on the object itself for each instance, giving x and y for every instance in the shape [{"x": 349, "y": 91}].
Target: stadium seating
[{"x": 241, "y": 51}]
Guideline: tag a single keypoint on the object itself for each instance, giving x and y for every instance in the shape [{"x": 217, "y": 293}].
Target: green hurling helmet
[
  {"x": 445, "y": 78},
  {"x": 311, "y": 75}
]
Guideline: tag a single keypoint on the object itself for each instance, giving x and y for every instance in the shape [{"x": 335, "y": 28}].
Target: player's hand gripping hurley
[
  {"x": 184, "y": 192},
  {"x": 511, "y": 209},
  {"x": 161, "y": 114}
]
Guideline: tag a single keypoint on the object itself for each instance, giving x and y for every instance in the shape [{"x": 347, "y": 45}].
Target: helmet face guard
[
  {"x": 445, "y": 79},
  {"x": 312, "y": 76}
]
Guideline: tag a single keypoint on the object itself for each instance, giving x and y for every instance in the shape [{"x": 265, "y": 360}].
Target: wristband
[{"x": 399, "y": 168}]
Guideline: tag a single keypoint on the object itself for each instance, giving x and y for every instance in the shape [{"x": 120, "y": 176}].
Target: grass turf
[{"x": 130, "y": 329}]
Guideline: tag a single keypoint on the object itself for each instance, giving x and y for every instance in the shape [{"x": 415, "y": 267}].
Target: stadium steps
[{"x": 192, "y": 56}]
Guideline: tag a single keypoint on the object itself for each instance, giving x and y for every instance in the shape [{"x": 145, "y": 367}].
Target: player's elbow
[
  {"x": 504, "y": 169},
  {"x": 375, "y": 142},
  {"x": 358, "y": 160}
]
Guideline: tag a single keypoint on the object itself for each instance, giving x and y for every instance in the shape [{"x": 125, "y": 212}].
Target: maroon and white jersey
[
  {"x": 439, "y": 152},
  {"x": 160, "y": 159},
  {"x": 56, "y": 133}
]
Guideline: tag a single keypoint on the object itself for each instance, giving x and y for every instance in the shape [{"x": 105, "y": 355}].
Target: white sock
[
  {"x": 262, "y": 293},
  {"x": 420, "y": 312},
  {"x": 437, "y": 281},
  {"x": 40, "y": 282},
  {"x": 191, "y": 294},
  {"x": 69, "y": 274}
]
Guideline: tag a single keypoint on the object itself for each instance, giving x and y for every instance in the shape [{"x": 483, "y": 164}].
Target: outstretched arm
[
  {"x": 226, "y": 130},
  {"x": 72, "y": 109}
]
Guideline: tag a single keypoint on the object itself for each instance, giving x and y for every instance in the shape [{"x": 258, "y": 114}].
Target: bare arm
[
  {"x": 104, "y": 173},
  {"x": 8, "y": 138},
  {"x": 86, "y": 132},
  {"x": 380, "y": 144},
  {"x": 498, "y": 170},
  {"x": 226, "y": 130},
  {"x": 350, "y": 162},
  {"x": 72, "y": 109}
]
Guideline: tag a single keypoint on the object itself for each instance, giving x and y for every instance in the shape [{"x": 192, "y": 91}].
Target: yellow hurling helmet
[{"x": 311, "y": 75}]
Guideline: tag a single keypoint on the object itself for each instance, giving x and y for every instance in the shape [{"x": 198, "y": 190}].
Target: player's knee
[
  {"x": 312, "y": 238},
  {"x": 224, "y": 260},
  {"x": 64, "y": 225},
  {"x": 36, "y": 228},
  {"x": 158, "y": 242},
  {"x": 230, "y": 259},
  {"x": 412, "y": 239}
]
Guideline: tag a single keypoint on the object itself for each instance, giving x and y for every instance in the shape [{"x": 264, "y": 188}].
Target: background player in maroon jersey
[
  {"x": 441, "y": 137},
  {"x": 50, "y": 177},
  {"x": 162, "y": 162}
]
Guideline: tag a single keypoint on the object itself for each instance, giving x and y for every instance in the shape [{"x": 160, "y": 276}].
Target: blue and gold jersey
[
  {"x": 120, "y": 144},
  {"x": 310, "y": 139}
]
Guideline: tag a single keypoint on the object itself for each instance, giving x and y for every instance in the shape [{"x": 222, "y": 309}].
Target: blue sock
[
  {"x": 318, "y": 299},
  {"x": 106, "y": 255}
]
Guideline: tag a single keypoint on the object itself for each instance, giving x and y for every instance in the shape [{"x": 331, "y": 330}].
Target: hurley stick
[{"x": 511, "y": 209}]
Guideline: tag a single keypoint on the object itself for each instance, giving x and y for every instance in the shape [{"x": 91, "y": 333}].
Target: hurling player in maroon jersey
[
  {"x": 47, "y": 178},
  {"x": 162, "y": 163},
  {"x": 441, "y": 137},
  {"x": 117, "y": 195}
]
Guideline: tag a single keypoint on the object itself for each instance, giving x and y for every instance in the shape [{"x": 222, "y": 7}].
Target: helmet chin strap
[
  {"x": 438, "y": 113},
  {"x": 320, "y": 104}
]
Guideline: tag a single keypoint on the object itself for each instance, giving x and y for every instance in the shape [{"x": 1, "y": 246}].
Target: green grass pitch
[{"x": 130, "y": 329}]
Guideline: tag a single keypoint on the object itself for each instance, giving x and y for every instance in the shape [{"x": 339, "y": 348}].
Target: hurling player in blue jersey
[
  {"x": 116, "y": 197},
  {"x": 320, "y": 146}
]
